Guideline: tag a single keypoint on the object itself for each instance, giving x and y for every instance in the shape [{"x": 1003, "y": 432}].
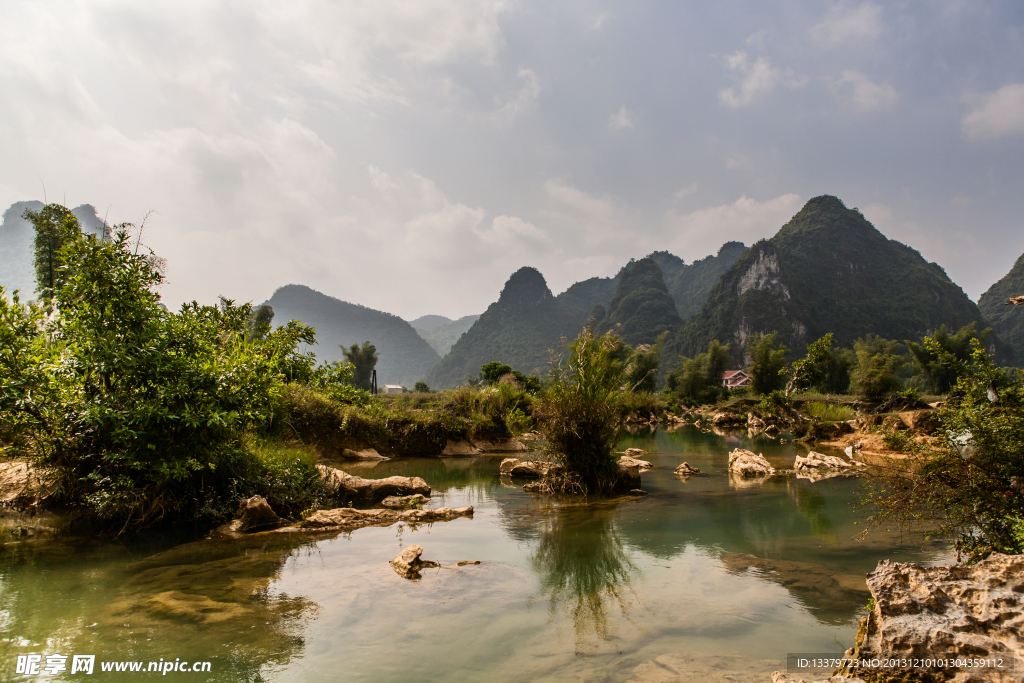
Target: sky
[{"x": 409, "y": 156}]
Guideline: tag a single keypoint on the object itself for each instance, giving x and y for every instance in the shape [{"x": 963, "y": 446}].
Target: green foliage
[
  {"x": 810, "y": 370},
  {"x": 829, "y": 412},
  {"x": 972, "y": 487},
  {"x": 698, "y": 381},
  {"x": 689, "y": 284},
  {"x": 578, "y": 412},
  {"x": 942, "y": 357},
  {"x": 900, "y": 440},
  {"x": 363, "y": 359},
  {"x": 494, "y": 371},
  {"x": 766, "y": 364},
  {"x": 773, "y": 403},
  {"x": 54, "y": 225},
  {"x": 641, "y": 371},
  {"x": 1007, "y": 321},
  {"x": 877, "y": 364},
  {"x": 421, "y": 387},
  {"x": 335, "y": 381},
  {"x": 835, "y": 371},
  {"x": 140, "y": 413},
  {"x": 260, "y": 322},
  {"x": 642, "y": 309}
]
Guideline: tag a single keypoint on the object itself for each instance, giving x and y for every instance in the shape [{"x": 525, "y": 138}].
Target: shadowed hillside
[
  {"x": 441, "y": 332},
  {"x": 1007, "y": 321},
  {"x": 642, "y": 307},
  {"x": 689, "y": 284},
  {"x": 404, "y": 355}
]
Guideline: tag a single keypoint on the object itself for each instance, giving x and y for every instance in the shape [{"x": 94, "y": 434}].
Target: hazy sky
[{"x": 409, "y": 156}]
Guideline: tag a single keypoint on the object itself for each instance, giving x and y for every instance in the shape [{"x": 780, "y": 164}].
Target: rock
[
  {"x": 463, "y": 563},
  {"x": 634, "y": 452},
  {"x": 352, "y": 518},
  {"x": 686, "y": 470},
  {"x": 534, "y": 469},
  {"x": 754, "y": 422},
  {"x": 924, "y": 422},
  {"x": 460, "y": 449},
  {"x": 748, "y": 464},
  {"x": 771, "y": 429},
  {"x": 254, "y": 514},
  {"x": 627, "y": 461},
  {"x": 364, "y": 454},
  {"x": 894, "y": 423},
  {"x": 637, "y": 492},
  {"x": 22, "y": 485},
  {"x": 974, "y": 611},
  {"x": 629, "y": 477},
  {"x": 901, "y": 404},
  {"x": 404, "y": 501},
  {"x": 509, "y": 446},
  {"x": 408, "y": 564},
  {"x": 727, "y": 420},
  {"x": 817, "y": 462},
  {"x": 351, "y": 487}
]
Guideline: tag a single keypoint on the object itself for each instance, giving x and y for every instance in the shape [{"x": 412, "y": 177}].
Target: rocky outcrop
[
  {"x": 460, "y": 449},
  {"x": 728, "y": 420},
  {"x": 347, "y": 519},
  {"x": 21, "y": 485},
  {"x": 363, "y": 454},
  {"x": 817, "y": 462},
  {"x": 349, "y": 487},
  {"x": 747, "y": 464},
  {"x": 255, "y": 514},
  {"x": 686, "y": 470},
  {"x": 403, "y": 502},
  {"x": 408, "y": 563},
  {"x": 534, "y": 469},
  {"x": 626, "y": 461},
  {"x": 509, "y": 446},
  {"x": 629, "y": 477},
  {"x": 974, "y": 612}
]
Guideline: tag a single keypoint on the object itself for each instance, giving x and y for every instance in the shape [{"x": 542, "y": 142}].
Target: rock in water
[
  {"x": 404, "y": 501},
  {"x": 686, "y": 470},
  {"x": 974, "y": 612},
  {"x": 371, "y": 490},
  {"x": 628, "y": 461},
  {"x": 748, "y": 464},
  {"x": 255, "y": 513},
  {"x": 528, "y": 468},
  {"x": 364, "y": 454},
  {"x": 351, "y": 518},
  {"x": 817, "y": 461},
  {"x": 634, "y": 452},
  {"x": 408, "y": 564}
]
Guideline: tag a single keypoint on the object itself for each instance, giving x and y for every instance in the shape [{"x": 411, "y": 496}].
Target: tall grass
[{"x": 830, "y": 412}]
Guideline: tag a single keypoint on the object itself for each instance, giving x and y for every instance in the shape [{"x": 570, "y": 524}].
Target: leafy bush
[
  {"x": 698, "y": 381},
  {"x": 877, "y": 365},
  {"x": 767, "y": 364},
  {"x": 773, "y": 403}
]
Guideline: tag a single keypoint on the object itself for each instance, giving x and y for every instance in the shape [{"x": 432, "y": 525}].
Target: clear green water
[{"x": 722, "y": 577}]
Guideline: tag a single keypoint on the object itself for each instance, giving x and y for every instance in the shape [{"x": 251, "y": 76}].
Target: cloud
[
  {"x": 865, "y": 95},
  {"x": 756, "y": 80},
  {"x": 996, "y": 113},
  {"x": 621, "y": 119},
  {"x": 600, "y": 20},
  {"x": 699, "y": 233},
  {"x": 526, "y": 96},
  {"x": 844, "y": 25}
]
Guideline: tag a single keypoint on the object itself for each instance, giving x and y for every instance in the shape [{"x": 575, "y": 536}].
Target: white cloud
[
  {"x": 756, "y": 79},
  {"x": 996, "y": 113},
  {"x": 526, "y": 96},
  {"x": 844, "y": 25},
  {"x": 685, "y": 191},
  {"x": 601, "y": 20},
  {"x": 699, "y": 233},
  {"x": 623, "y": 118},
  {"x": 863, "y": 93}
]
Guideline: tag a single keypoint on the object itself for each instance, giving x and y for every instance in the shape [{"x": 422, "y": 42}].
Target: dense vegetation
[
  {"x": 689, "y": 284},
  {"x": 642, "y": 308},
  {"x": 1005, "y": 320},
  {"x": 404, "y": 355}
]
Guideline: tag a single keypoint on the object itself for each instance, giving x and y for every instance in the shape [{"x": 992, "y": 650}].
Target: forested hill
[
  {"x": 441, "y": 332},
  {"x": 689, "y": 284},
  {"x": 828, "y": 270},
  {"x": 642, "y": 308},
  {"x": 518, "y": 329},
  {"x": 17, "y": 239},
  {"x": 404, "y": 355},
  {"x": 1007, "y": 321}
]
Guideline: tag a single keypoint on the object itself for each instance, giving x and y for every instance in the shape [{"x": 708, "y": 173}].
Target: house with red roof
[{"x": 734, "y": 379}]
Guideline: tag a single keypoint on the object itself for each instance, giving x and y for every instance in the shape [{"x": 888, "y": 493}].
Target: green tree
[
  {"x": 877, "y": 364},
  {"x": 810, "y": 369},
  {"x": 492, "y": 372},
  {"x": 941, "y": 360},
  {"x": 260, "y": 322},
  {"x": 698, "y": 381},
  {"x": 54, "y": 225},
  {"x": 641, "y": 372},
  {"x": 363, "y": 359},
  {"x": 421, "y": 387},
  {"x": 766, "y": 364},
  {"x": 835, "y": 371}
]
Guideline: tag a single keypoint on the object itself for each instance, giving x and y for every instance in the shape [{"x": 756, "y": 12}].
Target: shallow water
[{"x": 703, "y": 579}]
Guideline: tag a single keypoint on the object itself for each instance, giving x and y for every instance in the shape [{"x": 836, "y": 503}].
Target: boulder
[
  {"x": 748, "y": 464},
  {"x": 629, "y": 477},
  {"x": 509, "y": 446},
  {"x": 754, "y": 422},
  {"x": 772, "y": 429},
  {"x": 402, "y": 502},
  {"x": 535, "y": 469},
  {"x": 686, "y": 470},
  {"x": 627, "y": 461},
  {"x": 817, "y": 462},
  {"x": 364, "y": 454},
  {"x": 352, "y": 518},
  {"x": 923, "y": 421},
  {"x": 408, "y": 563},
  {"x": 974, "y": 612},
  {"x": 22, "y": 485},
  {"x": 463, "y": 449},
  {"x": 351, "y": 487},
  {"x": 634, "y": 452},
  {"x": 254, "y": 514},
  {"x": 727, "y": 420}
]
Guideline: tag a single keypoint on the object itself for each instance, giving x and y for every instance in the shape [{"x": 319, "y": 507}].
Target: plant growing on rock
[{"x": 578, "y": 412}]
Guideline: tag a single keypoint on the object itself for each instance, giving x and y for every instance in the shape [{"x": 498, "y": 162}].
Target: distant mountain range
[
  {"x": 441, "y": 332},
  {"x": 17, "y": 240},
  {"x": 1007, "y": 321},
  {"x": 404, "y": 355}
]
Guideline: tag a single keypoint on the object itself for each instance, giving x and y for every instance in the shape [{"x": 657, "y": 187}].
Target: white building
[{"x": 393, "y": 388}]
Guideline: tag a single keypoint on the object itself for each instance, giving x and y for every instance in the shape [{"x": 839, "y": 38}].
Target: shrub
[{"x": 830, "y": 412}]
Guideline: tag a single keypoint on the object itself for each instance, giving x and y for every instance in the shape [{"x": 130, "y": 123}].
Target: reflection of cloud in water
[{"x": 827, "y": 591}]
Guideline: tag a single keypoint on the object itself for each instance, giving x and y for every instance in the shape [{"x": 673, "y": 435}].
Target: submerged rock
[
  {"x": 973, "y": 612},
  {"x": 463, "y": 563},
  {"x": 408, "y": 563},
  {"x": 404, "y": 501},
  {"x": 363, "y": 454},
  {"x": 254, "y": 514},
  {"x": 628, "y": 461},
  {"x": 371, "y": 490},
  {"x": 748, "y": 464},
  {"x": 351, "y": 518},
  {"x": 686, "y": 470}
]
